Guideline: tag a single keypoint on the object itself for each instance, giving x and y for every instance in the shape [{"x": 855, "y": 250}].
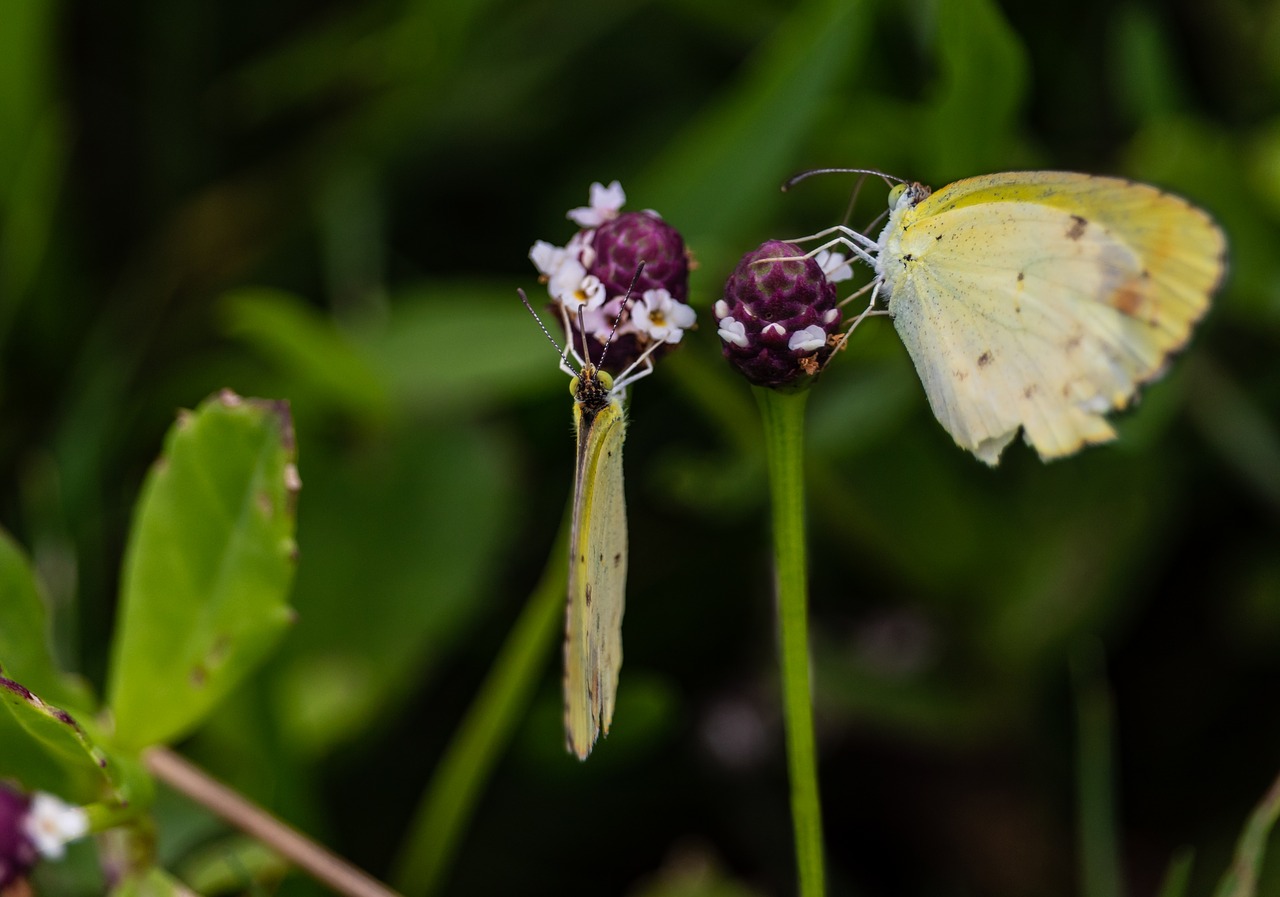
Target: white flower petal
[
  {"x": 547, "y": 258},
  {"x": 810, "y": 339},
  {"x": 721, "y": 308},
  {"x": 605, "y": 203},
  {"x": 661, "y": 317},
  {"x": 775, "y": 327},
  {"x": 733, "y": 332},
  {"x": 50, "y": 824},
  {"x": 834, "y": 266}
]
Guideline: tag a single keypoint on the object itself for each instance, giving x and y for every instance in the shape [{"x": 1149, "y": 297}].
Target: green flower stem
[
  {"x": 446, "y": 807},
  {"x": 783, "y": 415}
]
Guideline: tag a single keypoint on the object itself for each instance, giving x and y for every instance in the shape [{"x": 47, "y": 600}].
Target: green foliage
[
  {"x": 45, "y": 749},
  {"x": 207, "y": 570},
  {"x": 333, "y": 204}
]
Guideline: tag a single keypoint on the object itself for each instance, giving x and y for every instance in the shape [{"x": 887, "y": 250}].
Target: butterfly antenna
[
  {"x": 618, "y": 319},
  {"x": 797, "y": 178},
  {"x": 541, "y": 326}
]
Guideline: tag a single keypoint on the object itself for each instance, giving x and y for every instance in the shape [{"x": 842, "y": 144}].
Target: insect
[
  {"x": 597, "y": 541},
  {"x": 1040, "y": 300}
]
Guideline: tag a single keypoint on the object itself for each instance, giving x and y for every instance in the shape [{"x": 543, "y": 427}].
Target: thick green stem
[{"x": 783, "y": 415}]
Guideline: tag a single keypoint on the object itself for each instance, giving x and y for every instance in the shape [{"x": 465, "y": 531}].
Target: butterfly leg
[
  {"x": 869, "y": 311},
  {"x": 852, "y": 235},
  {"x": 638, "y": 369},
  {"x": 841, "y": 241}
]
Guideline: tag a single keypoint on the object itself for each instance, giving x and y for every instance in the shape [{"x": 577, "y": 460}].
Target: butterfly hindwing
[
  {"x": 1042, "y": 300},
  {"x": 597, "y": 572}
]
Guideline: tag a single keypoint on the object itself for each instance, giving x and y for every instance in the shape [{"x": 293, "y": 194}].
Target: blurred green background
[{"x": 332, "y": 202}]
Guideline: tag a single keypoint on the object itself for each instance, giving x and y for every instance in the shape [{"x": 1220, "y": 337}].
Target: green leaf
[
  {"x": 208, "y": 567},
  {"x": 306, "y": 345},
  {"x": 710, "y": 180},
  {"x": 389, "y": 600},
  {"x": 984, "y": 75},
  {"x": 1241, "y": 879},
  {"x": 151, "y": 882},
  {"x": 45, "y": 749},
  {"x": 455, "y": 344},
  {"x": 24, "y": 644}
]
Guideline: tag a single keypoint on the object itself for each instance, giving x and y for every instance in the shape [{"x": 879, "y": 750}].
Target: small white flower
[
  {"x": 50, "y": 824},
  {"x": 810, "y": 339},
  {"x": 732, "y": 332},
  {"x": 547, "y": 258},
  {"x": 662, "y": 317},
  {"x": 834, "y": 266},
  {"x": 605, "y": 203},
  {"x": 774, "y": 328},
  {"x": 720, "y": 309}
]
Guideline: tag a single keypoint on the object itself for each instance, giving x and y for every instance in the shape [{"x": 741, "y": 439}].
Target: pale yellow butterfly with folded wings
[
  {"x": 1038, "y": 301},
  {"x": 597, "y": 539}
]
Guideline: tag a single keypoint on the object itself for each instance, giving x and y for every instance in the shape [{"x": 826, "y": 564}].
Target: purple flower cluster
[
  {"x": 588, "y": 280},
  {"x": 779, "y": 314}
]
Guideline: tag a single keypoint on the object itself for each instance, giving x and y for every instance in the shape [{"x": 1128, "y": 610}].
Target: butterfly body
[
  {"x": 597, "y": 562},
  {"x": 1041, "y": 301}
]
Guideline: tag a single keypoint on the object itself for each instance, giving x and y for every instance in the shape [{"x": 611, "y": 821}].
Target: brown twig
[{"x": 322, "y": 865}]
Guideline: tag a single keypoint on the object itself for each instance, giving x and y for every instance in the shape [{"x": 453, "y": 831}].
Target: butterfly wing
[
  {"x": 1042, "y": 300},
  {"x": 597, "y": 576}
]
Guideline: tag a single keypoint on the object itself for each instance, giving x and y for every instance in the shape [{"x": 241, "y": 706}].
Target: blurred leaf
[
  {"x": 712, "y": 180},
  {"x": 1178, "y": 876},
  {"x": 306, "y": 345},
  {"x": 692, "y": 872},
  {"x": 399, "y": 554},
  {"x": 1100, "y": 866},
  {"x": 152, "y": 882},
  {"x": 32, "y": 148},
  {"x": 207, "y": 569},
  {"x": 45, "y": 749},
  {"x": 451, "y": 345},
  {"x": 982, "y": 81},
  {"x": 232, "y": 865},
  {"x": 24, "y": 637},
  {"x": 1244, "y": 435},
  {"x": 1241, "y": 879},
  {"x": 444, "y": 811},
  {"x": 1146, "y": 78}
]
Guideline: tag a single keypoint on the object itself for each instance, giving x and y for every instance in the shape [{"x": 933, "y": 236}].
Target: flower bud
[
  {"x": 777, "y": 317},
  {"x": 17, "y": 852},
  {"x": 594, "y": 271}
]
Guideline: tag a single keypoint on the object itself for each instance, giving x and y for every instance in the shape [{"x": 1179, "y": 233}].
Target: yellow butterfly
[
  {"x": 1040, "y": 300},
  {"x": 597, "y": 542}
]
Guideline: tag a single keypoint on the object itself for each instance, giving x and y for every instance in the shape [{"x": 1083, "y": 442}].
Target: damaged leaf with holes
[{"x": 208, "y": 568}]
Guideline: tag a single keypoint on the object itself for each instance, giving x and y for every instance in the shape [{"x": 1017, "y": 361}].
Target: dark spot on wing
[
  {"x": 617, "y": 559},
  {"x": 588, "y": 592},
  {"x": 1030, "y": 391},
  {"x": 960, "y": 375},
  {"x": 984, "y": 359},
  {"x": 1021, "y": 276},
  {"x": 1076, "y": 230},
  {"x": 1127, "y": 300}
]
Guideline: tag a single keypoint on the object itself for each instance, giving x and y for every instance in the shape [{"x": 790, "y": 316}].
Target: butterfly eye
[
  {"x": 573, "y": 386},
  {"x": 606, "y": 379},
  {"x": 896, "y": 194}
]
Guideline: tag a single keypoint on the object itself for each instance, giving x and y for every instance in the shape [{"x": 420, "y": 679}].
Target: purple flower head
[
  {"x": 777, "y": 317},
  {"x": 591, "y": 275},
  {"x": 17, "y": 852}
]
